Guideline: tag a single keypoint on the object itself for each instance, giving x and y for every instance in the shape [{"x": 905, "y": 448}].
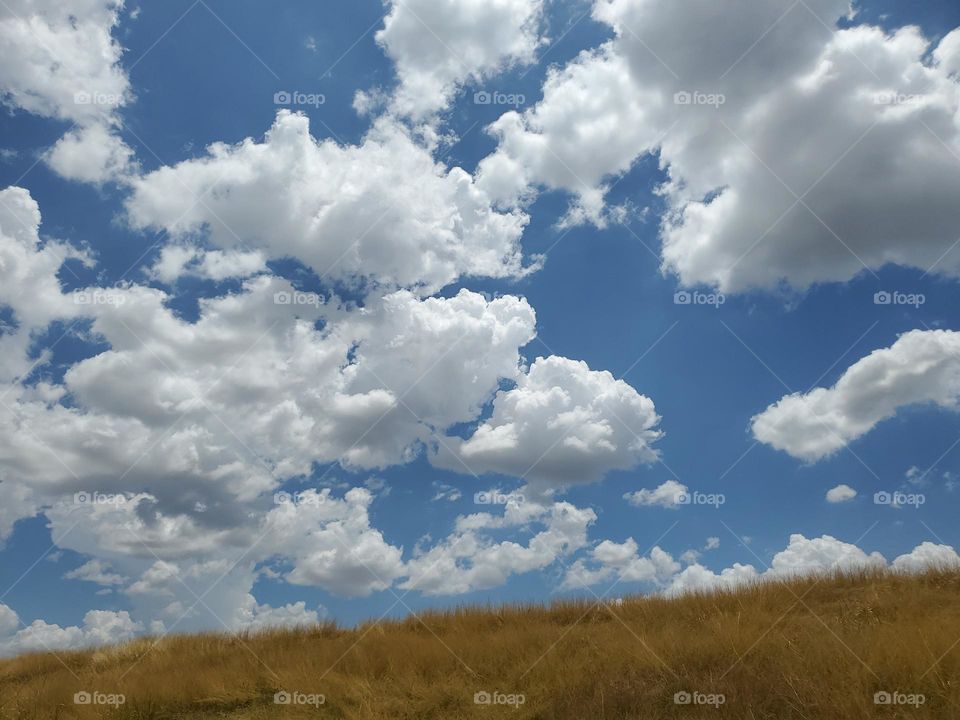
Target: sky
[{"x": 314, "y": 311}]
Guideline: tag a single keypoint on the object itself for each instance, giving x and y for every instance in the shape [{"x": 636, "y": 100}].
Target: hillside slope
[{"x": 809, "y": 649}]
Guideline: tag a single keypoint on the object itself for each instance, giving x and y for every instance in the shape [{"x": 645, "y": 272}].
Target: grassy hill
[{"x": 808, "y": 649}]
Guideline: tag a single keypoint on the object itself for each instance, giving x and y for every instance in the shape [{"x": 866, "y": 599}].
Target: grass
[{"x": 810, "y": 648}]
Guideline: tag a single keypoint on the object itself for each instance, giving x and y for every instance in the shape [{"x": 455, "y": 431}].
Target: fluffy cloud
[
  {"x": 253, "y": 616},
  {"x": 927, "y": 555},
  {"x": 920, "y": 367},
  {"x": 563, "y": 423},
  {"x": 436, "y": 45},
  {"x": 99, "y": 628},
  {"x": 666, "y": 495},
  {"x": 331, "y": 544},
  {"x": 851, "y": 139},
  {"x": 96, "y": 571},
  {"x": 623, "y": 562},
  {"x": 841, "y": 493},
  {"x": 62, "y": 62},
  {"x": 383, "y": 211},
  {"x": 825, "y": 553},
  {"x": 470, "y": 560}
]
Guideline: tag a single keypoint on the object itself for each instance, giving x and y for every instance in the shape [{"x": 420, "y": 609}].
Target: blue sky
[{"x": 580, "y": 206}]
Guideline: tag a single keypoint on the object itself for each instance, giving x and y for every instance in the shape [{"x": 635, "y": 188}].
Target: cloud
[
  {"x": 622, "y": 562},
  {"x": 666, "y": 495},
  {"x": 100, "y": 627},
  {"x": 383, "y": 212},
  {"x": 927, "y": 555},
  {"x": 62, "y": 62},
  {"x": 96, "y": 571},
  {"x": 468, "y": 560},
  {"x": 254, "y": 617},
  {"x": 825, "y": 553},
  {"x": 562, "y": 424},
  {"x": 840, "y": 493},
  {"x": 437, "y": 45},
  {"x": 795, "y": 152},
  {"x": 921, "y": 367}
]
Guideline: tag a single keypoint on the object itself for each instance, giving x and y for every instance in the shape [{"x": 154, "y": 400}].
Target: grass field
[{"x": 811, "y": 648}]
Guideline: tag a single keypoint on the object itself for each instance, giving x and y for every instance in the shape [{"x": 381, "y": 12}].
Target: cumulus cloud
[
  {"x": 62, "y": 62},
  {"x": 437, "y": 45},
  {"x": 794, "y": 151},
  {"x": 96, "y": 571},
  {"x": 469, "y": 560},
  {"x": 667, "y": 495},
  {"x": 927, "y": 555},
  {"x": 840, "y": 493},
  {"x": 384, "y": 211},
  {"x": 563, "y": 423},
  {"x": 622, "y": 562},
  {"x": 254, "y": 616},
  {"x": 921, "y": 367},
  {"x": 99, "y": 627}
]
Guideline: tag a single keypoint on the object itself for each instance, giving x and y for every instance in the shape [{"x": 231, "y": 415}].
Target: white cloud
[
  {"x": 666, "y": 495},
  {"x": 712, "y": 543},
  {"x": 920, "y": 367},
  {"x": 96, "y": 571},
  {"x": 841, "y": 493},
  {"x": 468, "y": 560},
  {"x": 803, "y": 95},
  {"x": 622, "y": 562},
  {"x": 100, "y": 627},
  {"x": 927, "y": 555},
  {"x": 253, "y": 616},
  {"x": 825, "y": 553},
  {"x": 383, "y": 211},
  {"x": 437, "y": 45},
  {"x": 62, "y": 62},
  {"x": 331, "y": 544},
  {"x": 563, "y": 423}
]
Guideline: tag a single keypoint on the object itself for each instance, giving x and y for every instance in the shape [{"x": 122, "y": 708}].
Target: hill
[{"x": 871, "y": 644}]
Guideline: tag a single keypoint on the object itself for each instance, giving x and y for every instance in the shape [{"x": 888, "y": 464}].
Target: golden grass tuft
[{"x": 809, "y": 648}]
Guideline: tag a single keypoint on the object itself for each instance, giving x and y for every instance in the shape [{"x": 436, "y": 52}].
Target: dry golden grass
[{"x": 811, "y": 648}]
